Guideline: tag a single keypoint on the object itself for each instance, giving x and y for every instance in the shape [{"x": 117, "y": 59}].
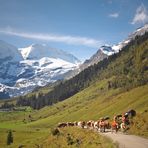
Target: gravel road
[{"x": 127, "y": 141}]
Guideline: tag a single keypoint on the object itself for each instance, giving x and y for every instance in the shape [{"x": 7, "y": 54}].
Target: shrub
[
  {"x": 55, "y": 132},
  {"x": 70, "y": 140},
  {"x": 9, "y": 138}
]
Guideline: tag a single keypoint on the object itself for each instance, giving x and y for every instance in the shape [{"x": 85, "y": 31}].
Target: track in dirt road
[{"x": 127, "y": 141}]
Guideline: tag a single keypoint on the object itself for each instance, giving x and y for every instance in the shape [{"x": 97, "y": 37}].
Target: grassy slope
[
  {"x": 91, "y": 103},
  {"x": 140, "y": 125},
  {"x": 75, "y": 137}
]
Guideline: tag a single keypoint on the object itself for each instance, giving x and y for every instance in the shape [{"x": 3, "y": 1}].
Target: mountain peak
[
  {"x": 39, "y": 66},
  {"x": 138, "y": 32},
  {"x": 38, "y": 51},
  {"x": 9, "y": 51},
  {"x": 106, "y": 49}
]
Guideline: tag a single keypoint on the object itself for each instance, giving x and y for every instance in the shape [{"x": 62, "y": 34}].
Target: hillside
[
  {"x": 90, "y": 104},
  {"x": 111, "y": 87},
  {"x": 128, "y": 69},
  {"x": 101, "y": 98}
]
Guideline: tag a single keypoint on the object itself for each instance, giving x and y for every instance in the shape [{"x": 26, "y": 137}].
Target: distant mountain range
[
  {"x": 106, "y": 50},
  {"x": 118, "y": 73},
  {"x": 22, "y": 70}
]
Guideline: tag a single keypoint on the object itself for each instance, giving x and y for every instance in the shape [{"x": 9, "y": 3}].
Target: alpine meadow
[{"x": 86, "y": 89}]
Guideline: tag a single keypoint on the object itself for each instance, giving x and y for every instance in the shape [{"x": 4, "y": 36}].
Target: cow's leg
[{"x": 104, "y": 129}]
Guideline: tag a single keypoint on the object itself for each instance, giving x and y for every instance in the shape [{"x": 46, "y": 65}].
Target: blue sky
[{"x": 79, "y": 27}]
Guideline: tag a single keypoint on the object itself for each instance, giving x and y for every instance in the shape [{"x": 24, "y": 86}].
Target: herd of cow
[{"x": 103, "y": 124}]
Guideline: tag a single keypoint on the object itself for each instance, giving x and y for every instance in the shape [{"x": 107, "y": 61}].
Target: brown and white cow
[
  {"x": 102, "y": 125},
  {"x": 63, "y": 124},
  {"x": 75, "y": 123},
  {"x": 90, "y": 124},
  {"x": 96, "y": 125},
  {"x": 81, "y": 124}
]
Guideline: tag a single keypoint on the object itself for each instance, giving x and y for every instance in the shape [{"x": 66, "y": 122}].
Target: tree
[{"x": 9, "y": 138}]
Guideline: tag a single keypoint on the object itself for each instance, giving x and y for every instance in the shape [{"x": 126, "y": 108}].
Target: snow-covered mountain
[
  {"x": 37, "y": 51},
  {"x": 139, "y": 32},
  {"x": 37, "y": 65},
  {"x": 9, "y": 63},
  {"x": 8, "y": 51},
  {"x": 106, "y": 50}
]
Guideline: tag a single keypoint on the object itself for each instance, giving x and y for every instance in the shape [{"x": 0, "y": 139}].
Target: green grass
[
  {"x": 23, "y": 136},
  {"x": 72, "y": 137},
  {"x": 140, "y": 125},
  {"x": 90, "y": 104}
]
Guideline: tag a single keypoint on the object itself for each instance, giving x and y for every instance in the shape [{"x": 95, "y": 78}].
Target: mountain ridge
[
  {"x": 107, "y": 50},
  {"x": 127, "y": 68},
  {"x": 32, "y": 67},
  {"x": 38, "y": 51},
  {"x": 19, "y": 75}
]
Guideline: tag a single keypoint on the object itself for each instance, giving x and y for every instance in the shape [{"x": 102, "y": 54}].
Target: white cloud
[
  {"x": 74, "y": 40},
  {"x": 141, "y": 15},
  {"x": 114, "y": 15}
]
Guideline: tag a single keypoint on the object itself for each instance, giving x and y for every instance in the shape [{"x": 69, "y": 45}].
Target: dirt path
[{"x": 127, "y": 141}]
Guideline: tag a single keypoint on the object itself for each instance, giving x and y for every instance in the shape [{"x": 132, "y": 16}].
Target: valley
[
  {"x": 90, "y": 104},
  {"x": 48, "y": 86}
]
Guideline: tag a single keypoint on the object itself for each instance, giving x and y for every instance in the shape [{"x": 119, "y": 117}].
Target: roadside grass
[
  {"x": 140, "y": 125},
  {"x": 72, "y": 137}
]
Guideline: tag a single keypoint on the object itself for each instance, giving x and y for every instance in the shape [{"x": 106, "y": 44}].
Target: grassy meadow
[{"x": 33, "y": 128}]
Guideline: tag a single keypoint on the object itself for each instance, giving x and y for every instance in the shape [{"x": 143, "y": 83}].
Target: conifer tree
[{"x": 9, "y": 138}]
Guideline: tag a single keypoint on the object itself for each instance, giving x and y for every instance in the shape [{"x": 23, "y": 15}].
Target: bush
[
  {"x": 70, "y": 140},
  {"x": 55, "y": 132}
]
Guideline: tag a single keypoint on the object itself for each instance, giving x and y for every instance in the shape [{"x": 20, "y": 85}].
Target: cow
[
  {"x": 107, "y": 124},
  {"x": 90, "y": 124},
  {"x": 60, "y": 125},
  {"x": 81, "y": 124},
  {"x": 114, "y": 127},
  {"x": 75, "y": 123},
  {"x": 96, "y": 125},
  {"x": 102, "y": 125},
  {"x": 70, "y": 124}
]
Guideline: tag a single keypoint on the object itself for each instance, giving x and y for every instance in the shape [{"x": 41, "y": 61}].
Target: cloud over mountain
[
  {"x": 141, "y": 15},
  {"x": 67, "y": 39}
]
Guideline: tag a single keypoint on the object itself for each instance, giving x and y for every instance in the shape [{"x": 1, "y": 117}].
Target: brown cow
[
  {"x": 75, "y": 123},
  {"x": 90, "y": 124},
  {"x": 102, "y": 125},
  {"x": 114, "y": 126},
  {"x": 70, "y": 124},
  {"x": 60, "y": 125},
  {"x": 107, "y": 124}
]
